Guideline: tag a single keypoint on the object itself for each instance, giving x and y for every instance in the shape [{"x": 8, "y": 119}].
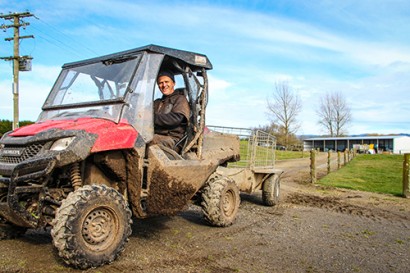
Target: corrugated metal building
[{"x": 395, "y": 144}]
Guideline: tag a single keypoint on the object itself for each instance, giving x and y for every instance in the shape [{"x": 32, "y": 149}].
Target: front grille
[{"x": 19, "y": 153}]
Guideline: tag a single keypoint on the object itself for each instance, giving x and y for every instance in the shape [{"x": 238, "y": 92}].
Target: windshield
[{"x": 96, "y": 90}]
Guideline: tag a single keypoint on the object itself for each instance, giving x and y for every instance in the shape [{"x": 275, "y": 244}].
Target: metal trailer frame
[{"x": 257, "y": 158}]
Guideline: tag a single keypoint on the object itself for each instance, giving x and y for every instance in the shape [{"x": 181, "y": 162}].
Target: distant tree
[
  {"x": 271, "y": 128},
  {"x": 25, "y": 122},
  {"x": 6, "y": 125},
  {"x": 283, "y": 108},
  {"x": 278, "y": 132},
  {"x": 334, "y": 114}
]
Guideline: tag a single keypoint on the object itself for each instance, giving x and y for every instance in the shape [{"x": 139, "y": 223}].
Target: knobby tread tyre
[
  {"x": 220, "y": 201},
  {"x": 271, "y": 191},
  {"x": 91, "y": 226}
]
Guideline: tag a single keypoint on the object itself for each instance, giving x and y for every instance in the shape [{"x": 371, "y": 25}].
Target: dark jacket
[{"x": 171, "y": 115}]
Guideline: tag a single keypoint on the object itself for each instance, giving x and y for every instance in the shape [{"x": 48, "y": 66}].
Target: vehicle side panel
[{"x": 174, "y": 181}]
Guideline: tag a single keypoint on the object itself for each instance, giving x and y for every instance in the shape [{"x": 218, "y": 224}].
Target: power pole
[{"x": 19, "y": 62}]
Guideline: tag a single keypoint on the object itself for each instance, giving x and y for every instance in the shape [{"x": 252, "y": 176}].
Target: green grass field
[
  {"x": 279, "y": 154},
  {"x": 282, "y": 155},
  {"x": 264, "y": 156},
  {"x": 373, "y": 173}
]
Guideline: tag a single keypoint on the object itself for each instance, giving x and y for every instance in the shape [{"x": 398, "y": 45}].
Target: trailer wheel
[
  {"x": 220, "y": 201},
  {"x": 271, "y": 191},
  {"x": 91, "y": 226}
]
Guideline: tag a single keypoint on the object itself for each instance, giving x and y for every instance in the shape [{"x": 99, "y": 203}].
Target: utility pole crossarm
[
  {"x": 7, "y": 58},
  {"x": 21, "y": 37},
  {"x": 12, "y": 15}
]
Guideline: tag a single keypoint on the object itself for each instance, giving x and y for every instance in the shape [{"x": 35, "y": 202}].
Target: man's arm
[{"x": 169, "y": 120}]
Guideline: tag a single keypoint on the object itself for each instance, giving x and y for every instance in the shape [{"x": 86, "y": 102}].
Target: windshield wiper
[{"x": 119, "y": 60}]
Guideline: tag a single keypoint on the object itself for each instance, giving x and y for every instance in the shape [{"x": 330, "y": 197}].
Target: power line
[
  {"x": 58, "y": 43},
  {"x": 65, "y": 35}
]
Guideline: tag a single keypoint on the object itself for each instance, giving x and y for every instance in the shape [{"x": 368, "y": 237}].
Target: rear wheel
[
  {"x": 92, "y": 226},
  {"x": 220, "y": 201},
  {"x": 271, "y": 191}
]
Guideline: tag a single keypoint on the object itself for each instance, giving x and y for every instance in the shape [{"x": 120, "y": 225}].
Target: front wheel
[
  {"x": 271, "y": 191},
  {"x": 220, "y": 201},
  {"x": 92, "y": 226}
]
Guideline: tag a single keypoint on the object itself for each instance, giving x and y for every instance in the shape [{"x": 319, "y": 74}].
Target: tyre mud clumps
[
  {"x": 220, "y": 201},
  {"x": 271, "y": 191},
  {"x": 92, "y": 226}
]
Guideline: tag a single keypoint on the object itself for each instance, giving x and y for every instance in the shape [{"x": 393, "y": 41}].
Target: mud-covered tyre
[
  {"x": 271, "y": 191},
  {"x": 91, "y": 226},
  {"x": 220, "y": 201},
  {"x": 10, "y": 231}
]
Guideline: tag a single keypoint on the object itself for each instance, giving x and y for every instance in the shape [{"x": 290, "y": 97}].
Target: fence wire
[{"x": 257, "y": 148}]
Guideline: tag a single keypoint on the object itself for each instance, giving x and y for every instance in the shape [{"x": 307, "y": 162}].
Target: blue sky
[{"x": 358, "y": 48}]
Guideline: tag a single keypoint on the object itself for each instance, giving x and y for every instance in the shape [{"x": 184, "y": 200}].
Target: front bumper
[
  {"x": 33, "y": 170},
  {"x": 25, "y": 176}
]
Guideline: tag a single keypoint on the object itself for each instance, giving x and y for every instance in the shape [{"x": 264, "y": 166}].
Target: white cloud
[
  {"x": 379, "y": 103},
  {"x": 358, "y": 48},
  {"x": 217, "y": 87},
  {"x": 33, "y": 89}
]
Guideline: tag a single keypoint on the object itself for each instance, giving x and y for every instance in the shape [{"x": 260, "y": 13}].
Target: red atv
[{"x": 84, "y": 168}]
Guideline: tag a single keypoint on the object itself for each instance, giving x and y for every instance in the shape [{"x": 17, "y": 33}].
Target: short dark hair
[{"x": 166, "y": 73}]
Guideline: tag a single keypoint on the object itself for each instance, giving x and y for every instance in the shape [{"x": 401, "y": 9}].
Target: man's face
[{"x": 166, "y": 85}]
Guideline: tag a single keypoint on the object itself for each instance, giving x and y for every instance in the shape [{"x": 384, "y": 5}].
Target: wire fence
[{"x": 257, "y": 148}]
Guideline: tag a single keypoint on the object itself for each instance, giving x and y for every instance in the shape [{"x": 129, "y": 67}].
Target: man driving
[{"x": 171, "y": 112}]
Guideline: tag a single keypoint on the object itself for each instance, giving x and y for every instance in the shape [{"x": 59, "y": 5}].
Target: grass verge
[
  {"x": 283, "y": 155},
  {"x": 373, "y": 173}
]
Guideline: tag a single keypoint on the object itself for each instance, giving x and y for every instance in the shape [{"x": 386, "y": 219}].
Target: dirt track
[{"x": 314, "y": 229}]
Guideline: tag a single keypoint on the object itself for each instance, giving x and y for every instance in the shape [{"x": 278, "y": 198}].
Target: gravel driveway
[{"x": 314, "y": 229}]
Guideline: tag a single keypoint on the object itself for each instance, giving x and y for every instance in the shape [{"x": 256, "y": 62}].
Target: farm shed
[{"x": 397, "y": 144}]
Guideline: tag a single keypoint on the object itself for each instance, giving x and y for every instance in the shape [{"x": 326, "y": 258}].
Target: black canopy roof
[{"x": 194, "y": 59}]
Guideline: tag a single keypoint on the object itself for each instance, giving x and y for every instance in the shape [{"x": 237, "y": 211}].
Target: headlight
[{"x": 61, "y": 144}]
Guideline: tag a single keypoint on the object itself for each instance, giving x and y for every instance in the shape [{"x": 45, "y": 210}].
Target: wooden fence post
[
  {"x": 328, "y": 162},
  {"x": 313, "y": 166},
  {"x": 345, "y": 157},
  {"x": 406, "y": 173},
  {"x": 338, "y": 160}
]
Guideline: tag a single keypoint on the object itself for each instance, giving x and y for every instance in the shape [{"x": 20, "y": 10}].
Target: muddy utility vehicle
[{"x": 85, "y": 167}]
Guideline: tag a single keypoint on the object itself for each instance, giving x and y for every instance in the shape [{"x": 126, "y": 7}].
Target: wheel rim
[
  {"x": 228, "y": 203},
  {"x": 100, "y": 228}
]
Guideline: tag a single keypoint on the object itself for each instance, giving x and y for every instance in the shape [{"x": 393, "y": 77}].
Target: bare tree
[
  {"x": 334, "y": 113},
  {"x": 283, "y": 107},
  {"x": 325, "y": 113}
]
